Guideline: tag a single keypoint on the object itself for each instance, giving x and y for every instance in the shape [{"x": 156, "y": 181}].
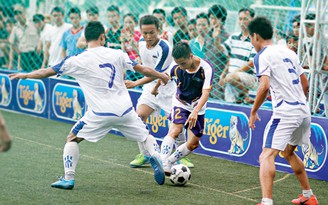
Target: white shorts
[
  {"x": 281, "y": 132},
  {"x": 93, "y": 128},
  {"x": 248, "y": 80},
  {"x": 156, "y": 103}
]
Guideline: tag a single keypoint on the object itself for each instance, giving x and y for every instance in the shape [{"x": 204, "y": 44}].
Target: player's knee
[{"x": 175, "y": 132}]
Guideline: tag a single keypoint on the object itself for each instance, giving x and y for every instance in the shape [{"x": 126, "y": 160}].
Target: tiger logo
[
  {"x": 4, "y": 92},
  {"x": 76, "y": 106},
  {"x": 311, "y": 156},
  {"x": 237, "y": 141},
  {"x": 37, "y": 98}
]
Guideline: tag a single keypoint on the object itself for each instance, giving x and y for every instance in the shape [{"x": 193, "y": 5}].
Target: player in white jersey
[
  {"x": 279, "y": 71},
  {"x": 100, "y": 73},
  {"x": 157, "y": 54},
  {"x": 194, "y": 79}
]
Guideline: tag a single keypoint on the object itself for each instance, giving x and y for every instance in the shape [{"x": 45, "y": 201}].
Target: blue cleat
[
  {"x": 159, "y": 174},
  {"x": 63, "y": 184}
]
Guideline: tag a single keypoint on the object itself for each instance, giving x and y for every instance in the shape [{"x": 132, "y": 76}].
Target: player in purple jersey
[{"x": 194, "y": 78}]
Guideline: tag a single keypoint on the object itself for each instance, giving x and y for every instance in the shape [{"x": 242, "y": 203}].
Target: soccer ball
[{"x": 180, "y": 175}]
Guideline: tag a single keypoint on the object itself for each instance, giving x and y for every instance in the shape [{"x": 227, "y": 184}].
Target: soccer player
[
  {"x": 5, "y": 139},
  {"x": 194, "y": 78},
  {"x": 278, "y": 70},
  {"x": 157, "y": 54},
  {"x": 100, "y": 73}
]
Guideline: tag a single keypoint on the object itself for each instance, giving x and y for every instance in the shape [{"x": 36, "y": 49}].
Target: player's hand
[
  {"x": 130, "y": 84},
  {"x": 17, "y": 76},
  {"x": 252, "y": 118},
  {"x": 165, "y": 78},
  {"x": 192, "y": 119},
  {"x": 154, "y": 92}
]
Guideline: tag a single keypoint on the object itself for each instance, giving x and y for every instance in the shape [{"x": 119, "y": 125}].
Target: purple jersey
[{"x": 190, "y": 85}]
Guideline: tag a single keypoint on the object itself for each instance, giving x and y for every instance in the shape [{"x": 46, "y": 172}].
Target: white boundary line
[{"x": 141, "y": 170}]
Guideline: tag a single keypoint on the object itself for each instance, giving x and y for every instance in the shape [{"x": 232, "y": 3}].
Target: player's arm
[
  {"x": 262, "y": 93},
  {"x": 246, "y": 67},
  {"x": 305, "y": 84},
  {"x": 142, "y": 81},
  {"x": 151, "y": 73},
  {"x": 37, "y": 74},
  {"x": 192, "y": 119}
]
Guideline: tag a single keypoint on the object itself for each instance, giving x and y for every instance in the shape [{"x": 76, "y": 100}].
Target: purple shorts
[{"x": 180, "y": 116}]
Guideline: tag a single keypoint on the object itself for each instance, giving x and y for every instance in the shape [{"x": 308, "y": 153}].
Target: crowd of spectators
[{"x": 47, "y": 39}]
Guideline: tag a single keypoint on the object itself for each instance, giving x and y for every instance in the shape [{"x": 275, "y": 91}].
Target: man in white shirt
[
  {"x": 53, "y": 49},
  {"x": 100, "y": 73},
  {"x": 278, "y": 70},
  {"x": 157, "y": 54}
]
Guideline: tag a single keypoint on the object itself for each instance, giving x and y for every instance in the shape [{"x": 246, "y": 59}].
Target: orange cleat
[{"x": 306, "y": 201}]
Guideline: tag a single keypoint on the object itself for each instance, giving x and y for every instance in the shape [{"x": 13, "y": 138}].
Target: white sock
[
  {"x": 150, "y": 144},
  {"x": 307, "y": 193},
  {"x": 167, "y": 146},
  {"x": 267, "y": 201},
  {"x": 179, "y": 153},
  {"x": 142, "y": 149},
  {"x": 181, "y": 138},
  {"x": 70, "y": 158}
]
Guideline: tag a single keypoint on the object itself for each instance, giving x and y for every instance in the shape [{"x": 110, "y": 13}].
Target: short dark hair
[
  {"x": 219, "y": 12},
  {"x": 93, "y": 30},
  {"x": 192, "y": 22},
  {"x": 203, "y": 16},
  {"x": 181, "y": 50},
  {"x": 159, "y": 11},
  {"x": 114, "y": 8},
  {"x": 149, "y": 20},
  {"x": 296, "y": 18},
  {"x": 135, "y": 19},
  {"x": 261, "y": 26},
  {"x": 179, "y": 9},
  {"x": 310, "y": 16},
  {"x": 291, "y": 36},
  {"x": 93, "y": 10},
  {"x": 251, "y": 11},
  {"x": 38, "y": 18},
  {"x": 74, "y": 10},
  {"x": 58, "y": 9}
]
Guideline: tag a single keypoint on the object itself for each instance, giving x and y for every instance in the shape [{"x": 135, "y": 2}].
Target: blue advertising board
[{"x": 226, "y": 133}]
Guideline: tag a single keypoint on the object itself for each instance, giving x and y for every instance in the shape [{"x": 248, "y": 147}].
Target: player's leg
[
  {"x": 5, "y": 139},
  {"x": 300, "y": 136},
  {"x": 179, "y": 141},
  {"x": 143, "y": 110},
  {"x": 70, "y": 159},
  {"x": 168, "y": 143},
  {"x": 133, "y": 128},
  {"x": 90, "y": 127},
  {"x": 267, "y": 173}
]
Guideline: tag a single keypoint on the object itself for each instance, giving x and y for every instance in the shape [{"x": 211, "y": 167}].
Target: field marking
[
  {"x": 259, "y": 187},
  {"x": 140, "y": 170}
]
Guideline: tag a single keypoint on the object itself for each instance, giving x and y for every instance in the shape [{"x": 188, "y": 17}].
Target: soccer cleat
[
  {"x": 306, "y": 201},
  {"x": 167, "y": 167},
  {"x": 63, "y": 184},
  {"x": 139, "y": 160},
  {"x": 186, "y": 161},
  {"x": 158, "y": 170}
]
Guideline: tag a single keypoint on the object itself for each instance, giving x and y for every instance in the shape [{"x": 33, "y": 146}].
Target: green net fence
[{"x": 215, "y": 31}]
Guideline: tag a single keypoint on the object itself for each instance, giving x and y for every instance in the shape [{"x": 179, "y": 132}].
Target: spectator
[
  {"x": 53, "y": 50},
  {"x": 70, "y": 36},
  {"x": 214, "y": 50},
  {"x": 10, "y": 25},
  {"x": 180, "y": 17},
  {"x": 198, "y": 44},
  {"x": 114, "y": 32},
  {"x": 4, "y": 44},
  {"x": 24, "y": 40},
  {"x": 44, "y": 29},
  {"x": 161, "y": 15},
  {"x": 92, "y": 15},
  {"x": 192, "y": 30},
  {"x": 130, "y": 37},
  {"x": 239, "y": 73},
  {"x": 296, "y": 25},
  {"x": 164, "y": 34},
  {"x": 292, "y": 42}
]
